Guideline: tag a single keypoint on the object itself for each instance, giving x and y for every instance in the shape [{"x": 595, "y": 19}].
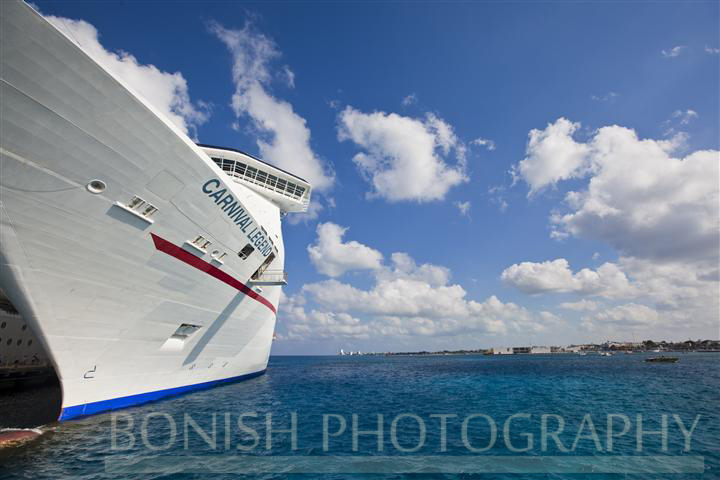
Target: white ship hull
[{"x": 103, "y": 288}]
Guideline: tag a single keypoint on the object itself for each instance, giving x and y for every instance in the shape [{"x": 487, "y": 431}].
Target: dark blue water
[{"x": 568, "y": 386}]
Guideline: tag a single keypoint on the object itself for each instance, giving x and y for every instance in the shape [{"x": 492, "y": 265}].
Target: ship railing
[{"x": 269, "y": 277}]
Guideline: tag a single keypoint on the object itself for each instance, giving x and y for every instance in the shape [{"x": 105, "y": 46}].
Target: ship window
[
  {"x": 217, "y": 160},
  {"x": 29, "y": 342},
  {"x": 201, "y": 242},
  {"x": 261, "y": 176},
  {"x": 2, "y": 325},
  {"x": 281, "y": 184},
  {"x": 24, "y": 327},
  {"x": 19, "y": 342},
  {"x": 9, "y": 341},
  {"x": 299, "y": 191},
  {"x": 246, "y": 251},
  {"x": 250, "y": 172},
  {"x": 141, "y": 207},
  {"x": 136, "y": 203},
  {"x": 272, "y": 179},
  {"x": 185, "y": 330},
  {"x": 240, "y": 168},
  {"x": 149, "y": 210}
]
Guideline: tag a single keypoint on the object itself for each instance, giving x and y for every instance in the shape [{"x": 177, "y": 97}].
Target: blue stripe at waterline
[{"x": 122, "y": 402}]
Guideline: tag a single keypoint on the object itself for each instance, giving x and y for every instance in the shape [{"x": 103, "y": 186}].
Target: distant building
[
  {"x": 536, "y": 350},
  {"x": 502, "y": 350}
]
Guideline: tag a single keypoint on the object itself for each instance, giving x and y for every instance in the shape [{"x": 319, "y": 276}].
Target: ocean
[{"x": 448, "y": 416}]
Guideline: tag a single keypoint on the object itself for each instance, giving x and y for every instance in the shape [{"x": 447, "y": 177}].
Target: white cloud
[
  {"x": 640, "y": 198},
  {"x": 484, "y": 142},
  {"x": 712, "y": 51},
  {"x": 684, "y": 116},
  {"x": 580, "y": 305},
  {"x": 607, "y": 97},
  {"x": 557, "y": 277},
  {"x": 463, "y": 207},
  {"x": 289, "y": 76},
  {"x": 673, "y": 52},
  {"x": 285, "y": 137},
  {"x": 683, "y": 294},
  {"x": 409, "y": 100},
  {"x": 404, "y": 300},
  {"x": 405, "y": 158},
  {"x": 631, "y": 314},
  {"x": 496, "y": 194},
  {"x": 167, "y": 92},
  {"x": 552, "y": 155},
  {"x": 332, "y": 257},
  {"x": 643, "y": 201}
]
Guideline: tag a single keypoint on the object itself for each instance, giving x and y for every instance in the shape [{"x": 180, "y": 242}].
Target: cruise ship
[{"x": 135, "y": 263}]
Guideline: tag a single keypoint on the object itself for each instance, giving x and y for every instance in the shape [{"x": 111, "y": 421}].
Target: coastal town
[{"x": 608, "y": 347}]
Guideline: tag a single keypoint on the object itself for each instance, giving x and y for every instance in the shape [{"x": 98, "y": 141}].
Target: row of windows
[{"x": 260, "y": 177}]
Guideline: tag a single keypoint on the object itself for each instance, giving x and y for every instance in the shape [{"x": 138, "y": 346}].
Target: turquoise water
[{"x": 569, "y": 386}]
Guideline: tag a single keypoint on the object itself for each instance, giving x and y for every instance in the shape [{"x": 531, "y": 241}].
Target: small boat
[
  {"x": 606, "y": 354},
  {"x": 662, "y": 359}
]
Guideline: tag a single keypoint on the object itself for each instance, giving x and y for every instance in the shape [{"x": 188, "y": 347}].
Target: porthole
[
  {"x": 2, "y": 325},
  {"x": 24, "y": 327},
  {"x": 9, "y": 341},
  {"x": 29, "y": 342},
  {"x": 96, "y": 186},
  {"x": 19, "y": 342}
]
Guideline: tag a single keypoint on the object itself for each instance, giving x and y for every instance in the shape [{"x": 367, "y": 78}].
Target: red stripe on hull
[{"x": 187, "y": 257}]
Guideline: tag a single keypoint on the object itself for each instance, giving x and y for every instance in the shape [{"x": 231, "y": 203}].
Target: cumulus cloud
[
  {"x": 556, "y": 276},
  {"x": 640, "y": 198},
  {"x": 580, "y": 305},
  {"x": 484, "y": 142},
  {"x": 167, "y": 92},
  {"x": 405, "y": 299},
  {"x": 645, "y": 202},
  {"x": 405, "y": 159},
  {"x": 673, "y": 52},
  {"x": 711, "y": 50},
  {"x": 631, "y": 314},
  {"x": 463, "y": 207},
  {"x": 552, "y": 155},
  {"x": 333, "y": 257},
  {"x": 284, "y": 137}
]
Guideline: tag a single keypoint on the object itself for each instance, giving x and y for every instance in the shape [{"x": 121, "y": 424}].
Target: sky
[{"x": 485, "y": 174}]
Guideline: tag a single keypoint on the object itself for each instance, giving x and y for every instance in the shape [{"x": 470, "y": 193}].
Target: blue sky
[{"x": 574, "y": 146}]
